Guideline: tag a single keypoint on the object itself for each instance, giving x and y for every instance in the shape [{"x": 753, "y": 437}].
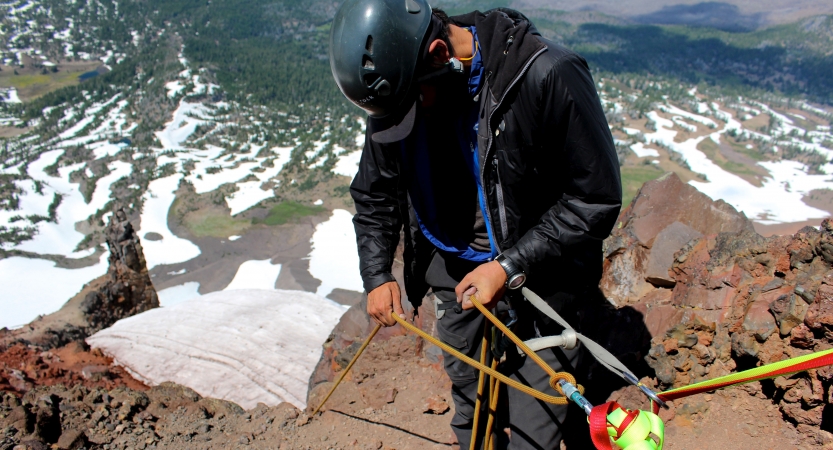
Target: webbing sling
[
  {"x": 601, "y": 354},
  {"x": 786, "y": 367}
]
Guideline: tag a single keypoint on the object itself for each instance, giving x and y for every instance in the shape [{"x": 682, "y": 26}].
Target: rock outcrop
[
  {"x": 740, "y": 301},
  {"x": 124, "y": 291},
  {"x": 664, "y": 216},
  {"x": 718, "y": 297}
]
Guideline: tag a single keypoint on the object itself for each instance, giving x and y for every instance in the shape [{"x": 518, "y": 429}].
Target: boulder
[
  {"x": 820, "y": 314},
  {"x": 667, "y": 242},
  {"x": 759, "y": 320},
  {"x": 664, "y": 215}
]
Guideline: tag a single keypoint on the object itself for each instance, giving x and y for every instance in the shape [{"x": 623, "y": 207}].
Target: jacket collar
[{"x": 507, "y": 41}]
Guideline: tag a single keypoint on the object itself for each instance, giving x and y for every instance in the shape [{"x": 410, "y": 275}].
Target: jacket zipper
[
  {"x": 500, "y": 202},
  {"x": 501, "y": 206}
]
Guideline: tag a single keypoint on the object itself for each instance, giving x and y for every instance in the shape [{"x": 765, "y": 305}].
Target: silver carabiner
[{"x": 645, "y": 390}]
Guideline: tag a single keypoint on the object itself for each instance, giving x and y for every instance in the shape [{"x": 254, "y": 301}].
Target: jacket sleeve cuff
[{"x": 371, "y": 282}]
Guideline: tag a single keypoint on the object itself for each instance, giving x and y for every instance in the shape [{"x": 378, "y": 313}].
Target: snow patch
[
  {"x": 334, "y": 259},
  {"x": 245, "y": 346},
  {"x": 178, "y": 294},
  {"x": 643, "y": 152},
  {"x": 171, "y": 249},
  {"x": 26, "y": 295},
  {"x": 255, "y": 275},
  {"x": 348, "y": 164}
]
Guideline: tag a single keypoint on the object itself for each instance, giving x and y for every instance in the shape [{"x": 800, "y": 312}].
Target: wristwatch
[{"x": 515, "y": 277}]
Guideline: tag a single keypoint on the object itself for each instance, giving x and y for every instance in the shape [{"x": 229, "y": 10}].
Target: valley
[{"x": 213, "y": 180}]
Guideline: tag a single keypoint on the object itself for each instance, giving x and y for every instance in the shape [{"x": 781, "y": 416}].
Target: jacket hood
[{"x": 507, "y": 41}]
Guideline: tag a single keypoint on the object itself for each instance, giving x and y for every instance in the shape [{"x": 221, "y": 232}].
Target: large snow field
[
  {"x": 171, "y": 249},
  {"x": 334, "y": 258},
  {"x": 245, "y": 346},
  {"x": 32, "y": 287},
  {"x": 779, "y": 200}
]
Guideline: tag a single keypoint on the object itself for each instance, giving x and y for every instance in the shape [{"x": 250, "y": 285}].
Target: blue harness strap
[{"x": 435, "y": 226}]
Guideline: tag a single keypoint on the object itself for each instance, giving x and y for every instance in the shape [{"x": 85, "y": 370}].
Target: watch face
[{"x": 517, "y": 281}]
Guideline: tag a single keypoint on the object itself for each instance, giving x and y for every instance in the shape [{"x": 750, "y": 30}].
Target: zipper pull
[{"x": 509, "y": 44}]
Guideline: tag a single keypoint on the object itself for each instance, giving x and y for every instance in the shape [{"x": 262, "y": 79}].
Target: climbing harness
[{"x": 611, "y": 425}]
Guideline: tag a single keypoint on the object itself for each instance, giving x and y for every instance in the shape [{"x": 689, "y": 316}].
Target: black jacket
[{"x": 549, "y": 168}]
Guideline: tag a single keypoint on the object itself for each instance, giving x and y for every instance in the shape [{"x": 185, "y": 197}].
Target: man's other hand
[
  {"x": 486, "y": 283},
  {"x": 382, "y": 301}
]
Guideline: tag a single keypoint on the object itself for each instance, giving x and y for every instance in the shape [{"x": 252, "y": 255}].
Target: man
[{"x": 488, "y": 145}]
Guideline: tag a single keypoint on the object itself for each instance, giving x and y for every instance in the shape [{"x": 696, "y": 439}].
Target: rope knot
[{"x": 566, "y": 377}]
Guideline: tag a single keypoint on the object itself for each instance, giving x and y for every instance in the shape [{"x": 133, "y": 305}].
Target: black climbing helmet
[{"x": 375, "y": 47}]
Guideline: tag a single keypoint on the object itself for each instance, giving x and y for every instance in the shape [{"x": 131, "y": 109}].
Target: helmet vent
[
  {"x": 367, "y": 63},
  {"x": 369, "y": 44},
  {"x": 371, "y": 78}
]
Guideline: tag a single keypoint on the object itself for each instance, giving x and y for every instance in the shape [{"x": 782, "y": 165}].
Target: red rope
[{"x": 815, "y": 363}]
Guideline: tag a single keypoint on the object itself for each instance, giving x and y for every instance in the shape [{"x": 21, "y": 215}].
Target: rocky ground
[
  {"x": 694, "y": 293},
  {"x": 393, "y": 399},
  {"x": 369, "y": 413},
  {"x": 22, "y": 368}
]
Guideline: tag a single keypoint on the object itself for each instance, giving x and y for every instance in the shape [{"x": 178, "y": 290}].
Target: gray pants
[{"x": 532, "y": 424}]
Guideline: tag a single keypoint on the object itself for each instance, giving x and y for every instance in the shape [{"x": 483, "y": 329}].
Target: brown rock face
[
  {"x": 717, "y": 297},
  {"x": 124, "y": 291},
  {"x": 129, "y": 290},
  {"x": 664, "y": 216},
  {"x": 741, "y": 300}
]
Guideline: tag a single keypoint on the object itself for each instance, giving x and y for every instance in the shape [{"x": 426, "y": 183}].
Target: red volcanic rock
[
  {"x": 820, "y": 314},
  {"x": 665, "y": 215},
  {"x": 435, "y": 405}
]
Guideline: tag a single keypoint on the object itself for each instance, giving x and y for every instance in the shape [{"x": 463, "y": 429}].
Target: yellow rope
[
  {"x": 555, "y": 400},
  {"x": 481, "y": 382},
  {"x": 493, "y": 397},
  {"x": 497, "y": 377},
  {"x": 349, "y": 366},
  {"x": 554, "y": 376}
]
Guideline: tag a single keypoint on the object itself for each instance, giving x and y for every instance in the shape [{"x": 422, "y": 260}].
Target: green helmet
[{"x": 375, "y": 47}]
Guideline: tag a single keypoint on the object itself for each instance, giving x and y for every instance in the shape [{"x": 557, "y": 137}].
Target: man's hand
[
  {"x": 382, "y": 301},
  {"x": 486, "y": 283}
]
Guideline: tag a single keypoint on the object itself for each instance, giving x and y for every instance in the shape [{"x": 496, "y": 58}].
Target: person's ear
[{"x": 439, "y": 53}]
